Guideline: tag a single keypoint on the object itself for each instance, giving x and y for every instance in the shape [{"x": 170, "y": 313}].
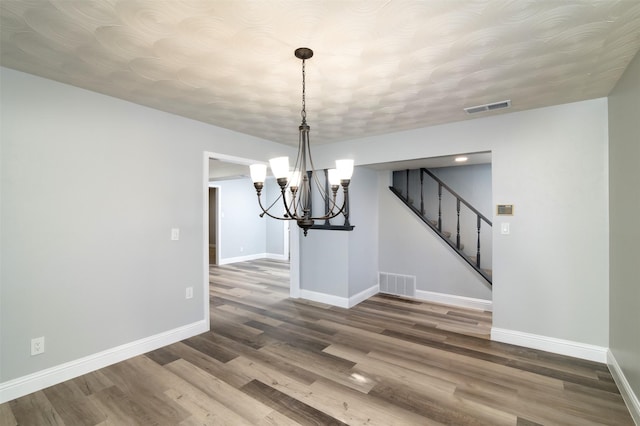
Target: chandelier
[{"x": 297, "y": 200}]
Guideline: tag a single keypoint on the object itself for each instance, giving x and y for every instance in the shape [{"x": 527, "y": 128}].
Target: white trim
[
  {"x": 205, "y": 238},
  {"x": 341, "y": 302},
  {"x": 363, "y": 295},
  {"x": 630, "y": 398},
  {"x": 452, "y": 299},
  {"x": 329, "y": 299},
  {"x": 33, "y": 382},
  {"x": 245, "y": 258},
  {"x": 550, "y": 344},
  {"x": 232, "y": 159},
  {"x": 218, "y": 192},
  {"x": 276, "y": 256}
]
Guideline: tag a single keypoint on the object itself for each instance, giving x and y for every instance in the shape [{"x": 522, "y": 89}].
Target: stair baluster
[
  {"x": 458, "y": 224},
  {"x": 478, "y": 255},
  {"x": 422, "y": 193},
  {"x": 439, "y": 207},
  {"x": 408, "y": 185}
]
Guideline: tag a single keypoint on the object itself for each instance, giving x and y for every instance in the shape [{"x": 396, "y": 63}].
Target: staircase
[{"x": 433, "y": 195}]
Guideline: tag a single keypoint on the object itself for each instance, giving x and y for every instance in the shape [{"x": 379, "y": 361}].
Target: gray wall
[
  {"x": 242, "y": 230},
  {"x": 243, "y": 233},
  {"x": 472, "y": 182},
  {"x": 363, "y": 241},
  {"x": 551, "y": 163},
  {"x": 344, "y": 263},
  {"x": 324, "y": 262},
  {"x": 91, "y": 187},
  {"x": 274, "y": 228},
  {"x": 624, "y": 227}
]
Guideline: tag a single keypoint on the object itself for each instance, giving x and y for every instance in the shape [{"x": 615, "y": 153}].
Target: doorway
[{"x": 220, "y": 171}]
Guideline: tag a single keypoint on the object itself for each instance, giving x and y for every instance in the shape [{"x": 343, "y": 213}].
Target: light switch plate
[
  {"x": 175, "y": 234},
  {"x": 504, "y": 228}
]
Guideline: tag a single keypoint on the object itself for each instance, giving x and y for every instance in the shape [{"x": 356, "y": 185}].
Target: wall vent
[
  {"x": 397, "y": 284},
  {"x": 488, "y": 107}
]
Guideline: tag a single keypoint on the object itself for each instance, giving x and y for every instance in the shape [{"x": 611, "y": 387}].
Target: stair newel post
[
  {"x": 478, "y": 254},
  {"x": 422, "y": 192},
  {"x": 439, "y": 207},
  {"x": 458, "y": 224}
]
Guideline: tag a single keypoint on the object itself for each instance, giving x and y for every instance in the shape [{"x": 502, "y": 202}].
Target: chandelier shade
[{"x": 296, "y": 185}]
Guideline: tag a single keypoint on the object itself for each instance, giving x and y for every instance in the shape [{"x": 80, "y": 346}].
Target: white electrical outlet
[
  {"x": 37, "y": 345},
  {"x": 175, "y": 234},
  {"x": 189, "y": 293}
]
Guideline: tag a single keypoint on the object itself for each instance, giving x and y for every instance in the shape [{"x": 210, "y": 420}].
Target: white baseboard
[
  {"x": 341, "y": 302},
  {"x": 630, "y": 398},
  {"x": 249, "y": 257},
  {"x": 363, "y": 295},
  {"x": 329, "y": 299},
  {"x": 237, "y": 259},
  {"x": 276, "y": 256},
  {"x": 550, "y": 344},
  {"x": 451, "y": 299},
  {"x": 24, "y": 385}
]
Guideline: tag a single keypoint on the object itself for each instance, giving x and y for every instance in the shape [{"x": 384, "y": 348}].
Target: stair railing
[
  {"x": 480, "y": 217},
  {"x": 476, "y": 262}
]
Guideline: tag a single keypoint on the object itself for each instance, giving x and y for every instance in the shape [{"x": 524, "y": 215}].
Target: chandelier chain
[{"x": 303, "y": 113}]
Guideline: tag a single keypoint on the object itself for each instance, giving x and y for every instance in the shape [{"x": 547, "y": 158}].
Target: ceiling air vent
[{"x": 488, "y": 107}]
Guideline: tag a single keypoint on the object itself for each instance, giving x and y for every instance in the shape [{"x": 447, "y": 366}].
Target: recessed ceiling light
[{"x": 461, "y": 159}]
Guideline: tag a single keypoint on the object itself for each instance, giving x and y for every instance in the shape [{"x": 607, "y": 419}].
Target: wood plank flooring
[{"x": 270, "y": 360}]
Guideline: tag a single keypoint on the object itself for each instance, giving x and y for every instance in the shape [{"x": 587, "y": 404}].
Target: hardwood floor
[{"x": 270, "y": 360}]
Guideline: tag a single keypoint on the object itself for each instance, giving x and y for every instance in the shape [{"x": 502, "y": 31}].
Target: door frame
[
  {"x": 217, "y": 191},
  {"x": 292, "y": 236}
]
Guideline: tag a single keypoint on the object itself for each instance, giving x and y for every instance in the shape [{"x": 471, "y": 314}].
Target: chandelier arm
[
  {"x": 292, "y": 216},
  {"x": 332, "y": 200},
  {"x": 295, "y": 200},
  {"x": 332, "y": 203},
  {"x": 272, "y": 204},
  {"x": 266, "y": 212},
  {"x": 343, "y": 208}
]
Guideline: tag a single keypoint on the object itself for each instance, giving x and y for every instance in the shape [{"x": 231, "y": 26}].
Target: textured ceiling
[{"x": 379, "y": 66}]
